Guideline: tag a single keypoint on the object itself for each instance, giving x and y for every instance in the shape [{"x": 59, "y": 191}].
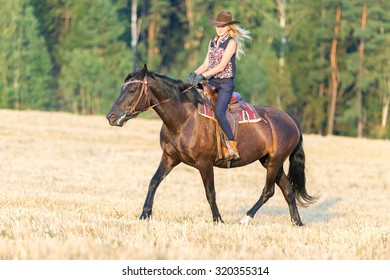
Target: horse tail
[{"x": 296, "y": 174}]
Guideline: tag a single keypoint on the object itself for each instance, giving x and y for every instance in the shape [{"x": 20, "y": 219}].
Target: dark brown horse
[{"x": 187, "y": 137}]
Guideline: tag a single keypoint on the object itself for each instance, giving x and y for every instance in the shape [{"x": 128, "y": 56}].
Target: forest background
[{"x": 326, "y": 61}]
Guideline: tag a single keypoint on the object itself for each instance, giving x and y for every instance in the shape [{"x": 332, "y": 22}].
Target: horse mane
[{"x": 173, "y": 89}]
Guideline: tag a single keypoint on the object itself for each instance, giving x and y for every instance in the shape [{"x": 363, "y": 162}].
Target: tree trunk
[
  {"x": 190, "y": 13},
  {"x": 18, "y": 53},
  {"x": 191, "y": 45},
  {"x": 321, "y": 87},
  {"x": 335, "y": 73},
  {"x": 282, "y": 23},
  {"x": 385, "y": 103},
  {"x": 134, "y": 31},
  {"x": 151, "y": 42},
  {"x": 360, "y": 124},
  {"x": 83, "y": 101},
  {"x": 386, "y": 92},
  {"x": 153, "y": 30}
]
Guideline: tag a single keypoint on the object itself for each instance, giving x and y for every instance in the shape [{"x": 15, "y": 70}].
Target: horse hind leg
[
  {"x": 267, "y": 193},
  {"x": 289, "y": 195}
]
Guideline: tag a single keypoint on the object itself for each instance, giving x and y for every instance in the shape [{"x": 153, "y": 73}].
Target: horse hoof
[
  {"x": 144, "y": 217},
  {"x": 246, "y": 220},
  {"x": 218, "y": 221},
  {"x": 297, "y": 223}
]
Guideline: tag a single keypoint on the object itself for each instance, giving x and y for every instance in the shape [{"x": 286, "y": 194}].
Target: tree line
[{"x": 326, "y": 61}]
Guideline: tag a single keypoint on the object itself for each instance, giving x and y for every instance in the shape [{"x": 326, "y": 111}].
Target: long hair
[{"x": 239, "y": 34}]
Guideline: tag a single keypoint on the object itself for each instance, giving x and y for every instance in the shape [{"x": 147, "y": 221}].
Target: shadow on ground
[{"x": 320, "y": 212}]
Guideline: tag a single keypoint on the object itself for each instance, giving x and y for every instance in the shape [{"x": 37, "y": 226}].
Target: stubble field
[{"x": 72, "y": 187}]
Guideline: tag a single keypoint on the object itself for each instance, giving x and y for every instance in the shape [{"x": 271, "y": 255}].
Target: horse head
[{"x": 133, "y": 98}]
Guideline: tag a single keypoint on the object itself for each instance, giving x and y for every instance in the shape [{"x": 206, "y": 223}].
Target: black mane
[{"x": 172, "y": 88}]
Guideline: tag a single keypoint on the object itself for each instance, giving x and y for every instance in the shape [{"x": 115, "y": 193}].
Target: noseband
[{"x": 143, "y": 93}]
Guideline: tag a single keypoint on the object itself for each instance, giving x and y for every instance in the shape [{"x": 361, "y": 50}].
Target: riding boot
[{"x": 231, "y": 152}]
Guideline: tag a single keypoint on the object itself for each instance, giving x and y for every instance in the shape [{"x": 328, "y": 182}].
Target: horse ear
[
  {"x": 136, "y": 68},
  {"x": 144, "y": 70}
]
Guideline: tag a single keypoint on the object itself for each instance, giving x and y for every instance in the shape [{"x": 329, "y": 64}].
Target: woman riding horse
[{"x": 187, "y": 137}]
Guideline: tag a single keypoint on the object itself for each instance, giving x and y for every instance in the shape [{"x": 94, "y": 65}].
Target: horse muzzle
[{"x": 119, "y": 119}]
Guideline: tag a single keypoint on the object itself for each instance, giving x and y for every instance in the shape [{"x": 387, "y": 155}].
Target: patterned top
[{"x": 216, "y": 54}]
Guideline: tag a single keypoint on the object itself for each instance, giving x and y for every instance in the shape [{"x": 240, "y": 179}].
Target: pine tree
[
  {"x": 93, "y": 60},
  {"x": 309, "y": 64},
  {"x": 25, "y": 62}
]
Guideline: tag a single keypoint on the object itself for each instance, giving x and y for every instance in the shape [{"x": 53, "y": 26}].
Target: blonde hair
[{"x": 239, "y": 34}]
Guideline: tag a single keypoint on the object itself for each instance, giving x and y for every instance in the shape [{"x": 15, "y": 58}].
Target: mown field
[{"x": 72, "y": 187}]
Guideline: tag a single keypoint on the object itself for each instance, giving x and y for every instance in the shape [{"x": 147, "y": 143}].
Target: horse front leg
[
  {"x": 207, "y": 174},
  {"x": 166, "y": 165}
]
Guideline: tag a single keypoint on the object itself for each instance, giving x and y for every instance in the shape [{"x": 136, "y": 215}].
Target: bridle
[{"x": 143, "y": 93}]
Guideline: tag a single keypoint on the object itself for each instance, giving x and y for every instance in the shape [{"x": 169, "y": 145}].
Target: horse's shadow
[{"x": 321, "y": 212}]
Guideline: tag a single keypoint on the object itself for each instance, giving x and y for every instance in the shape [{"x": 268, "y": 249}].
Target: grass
[{"x": 72, "y": 187}]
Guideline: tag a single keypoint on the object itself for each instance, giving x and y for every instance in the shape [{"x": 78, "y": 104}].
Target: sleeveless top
[{"x": 215, "y": 57}]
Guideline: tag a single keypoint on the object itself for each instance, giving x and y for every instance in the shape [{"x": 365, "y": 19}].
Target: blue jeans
[{"x": 225, "y": 89}]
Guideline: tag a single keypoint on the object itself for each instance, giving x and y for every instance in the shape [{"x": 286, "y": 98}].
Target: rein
[
  {"x": 187, "y": 89},
  {"x": 143, "y": 93}
]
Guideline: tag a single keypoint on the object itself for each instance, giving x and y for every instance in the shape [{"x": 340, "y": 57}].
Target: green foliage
[
  {"x": 24, "y": 60},
  {"x": 83, "y": 81},
  {"x": 93, "y": 60},
  {"x": 73, "y": 55}
]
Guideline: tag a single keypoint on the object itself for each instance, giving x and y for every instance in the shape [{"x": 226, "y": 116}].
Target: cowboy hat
[{"x": 223, "y": 19}]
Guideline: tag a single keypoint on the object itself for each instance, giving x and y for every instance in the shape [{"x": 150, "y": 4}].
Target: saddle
[
  {"x": 238, "y": 112},
  {"x": 211, "y": 94}
]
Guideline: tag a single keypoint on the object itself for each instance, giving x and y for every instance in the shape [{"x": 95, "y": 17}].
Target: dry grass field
[{"x": 72, "y": 187}]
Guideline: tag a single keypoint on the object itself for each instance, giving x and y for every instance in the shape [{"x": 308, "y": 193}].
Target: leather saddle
[
  {"x": 238, "y": 112},
  {"x": 211, "y": 92}
]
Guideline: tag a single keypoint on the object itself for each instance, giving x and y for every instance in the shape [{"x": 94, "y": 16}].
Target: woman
[{"x": 219, "y": 67}]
